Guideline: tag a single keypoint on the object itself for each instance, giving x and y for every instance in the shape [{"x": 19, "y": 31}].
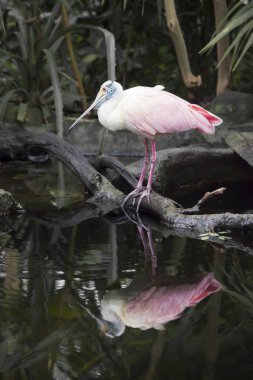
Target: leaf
[
  {"x": 246, "y": 48},
  {"x": 231, "y": 25},
  {"x": 109, "y": 42},
  {"x": 55, "y": 46},
  {"x": 17, "y": 15},
  {"x": 21, "y": 45},
  {"x": 242, "y": 41},
  {"x": 110, "y": 53},
  {"x": 22, "y": 64},
  {"x": 2, "y": 21},
  {"x": 55, "y": 32},
  {"x": 22, "y": 112},
  {"x": 236, "y": 40},
  {"x": 225, "y": 238},
  {"x": 143, "y": 7},
  {"x": 46, "y": 113},
  {"x": 89, "y": 58},
  {"x": 51, "y": 20},
  {"x": 57, "y": 92},
  {"x": 4, "y": 102},
  {"x": 224, "y": 21},
  {"x": 68, "y": 77},
  {"x": 51, "y": 29}
]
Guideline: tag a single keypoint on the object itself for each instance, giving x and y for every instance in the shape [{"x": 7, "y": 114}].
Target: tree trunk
[{"x": 224, "y": 71}]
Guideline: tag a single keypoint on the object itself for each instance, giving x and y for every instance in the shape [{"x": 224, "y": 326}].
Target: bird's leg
[
  {"x": 144, "y": 166},
  {"x": 146, "y": 192},
  {"x": 143, "y": 240},
  {"x": 139, "y": 187},
  {"x": 152, "y": 252},
  {"x": 152, "y": 166}
]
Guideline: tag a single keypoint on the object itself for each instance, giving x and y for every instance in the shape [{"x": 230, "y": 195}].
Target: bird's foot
[
  {"x": 135, "y": 193},
  {"x": 145, "y": 194}
]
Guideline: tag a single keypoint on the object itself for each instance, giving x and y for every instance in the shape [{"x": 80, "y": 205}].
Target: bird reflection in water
[{"x": 150, "y": 303}]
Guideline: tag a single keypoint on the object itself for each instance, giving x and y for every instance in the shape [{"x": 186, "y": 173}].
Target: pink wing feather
[
  {"x": 162, "y": 304},
  {"x": 150, "y": 111}
]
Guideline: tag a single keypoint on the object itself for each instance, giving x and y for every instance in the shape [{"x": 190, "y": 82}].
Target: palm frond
[
  {"x": 240, "y": 25},
  {"x": 247, "y": 45}
]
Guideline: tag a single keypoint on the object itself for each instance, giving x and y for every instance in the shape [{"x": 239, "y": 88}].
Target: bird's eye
[{"x": 104, "y": 88}]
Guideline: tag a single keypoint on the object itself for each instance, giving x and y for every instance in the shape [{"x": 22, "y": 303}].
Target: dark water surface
[{"x": 94, "y": 301}]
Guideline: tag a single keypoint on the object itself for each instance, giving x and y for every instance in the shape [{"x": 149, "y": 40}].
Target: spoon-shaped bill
[{"x": 94, "y": 104}]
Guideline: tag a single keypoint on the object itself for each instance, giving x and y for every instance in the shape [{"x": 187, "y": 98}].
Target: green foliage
[
  {"x": 145, "y": 54},
  {"x": 238, "y": 23},
  {"x": 34, "y": 60},
  {"x": 25, "y": 66}
]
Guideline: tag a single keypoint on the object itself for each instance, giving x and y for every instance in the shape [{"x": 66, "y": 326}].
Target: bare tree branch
[
  {"x": 190, "y": 80},
  {"x": 208, "y": 195}
]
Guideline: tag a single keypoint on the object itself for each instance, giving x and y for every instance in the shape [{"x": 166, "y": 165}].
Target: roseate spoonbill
[
  {"x": 146, "y": 305},
  {"x": 148, "y": 111}
]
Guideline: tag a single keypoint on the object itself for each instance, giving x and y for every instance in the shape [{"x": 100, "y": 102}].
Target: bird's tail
[{"x": 213, "y": 120}]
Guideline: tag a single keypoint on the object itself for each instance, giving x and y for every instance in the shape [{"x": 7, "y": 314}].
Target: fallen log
[{"x": 105, "y": 193}]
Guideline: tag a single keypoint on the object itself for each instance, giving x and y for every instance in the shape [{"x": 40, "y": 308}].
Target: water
[{"x": 60, "y": 283}]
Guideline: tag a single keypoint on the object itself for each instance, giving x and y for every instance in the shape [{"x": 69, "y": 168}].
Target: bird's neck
[{"x": 109, "y": 113}]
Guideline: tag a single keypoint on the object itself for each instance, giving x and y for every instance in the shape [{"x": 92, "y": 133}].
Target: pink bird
[
  {"x": 144, "y": 305},
  {"x": 148, "y": 112}
]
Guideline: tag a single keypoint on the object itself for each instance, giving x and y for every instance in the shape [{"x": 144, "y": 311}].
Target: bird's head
[{"x": 107, "y": 91}]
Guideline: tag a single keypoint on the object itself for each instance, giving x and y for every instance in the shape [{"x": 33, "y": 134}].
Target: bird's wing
[
  {"x": 158, "y": 305},
  {"x": 150, "y": 111}
]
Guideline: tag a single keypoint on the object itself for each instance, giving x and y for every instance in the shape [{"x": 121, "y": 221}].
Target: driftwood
[{"x": 110, "y": 198}]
